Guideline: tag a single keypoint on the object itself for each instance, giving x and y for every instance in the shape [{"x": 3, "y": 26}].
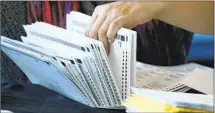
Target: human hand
[{"x": 108, "y": 18}]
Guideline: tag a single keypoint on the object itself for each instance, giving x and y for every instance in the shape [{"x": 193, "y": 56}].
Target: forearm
[{"x": 193, "y": 16}]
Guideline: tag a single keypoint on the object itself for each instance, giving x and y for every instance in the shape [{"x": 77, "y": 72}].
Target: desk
[{"x": 36, "y": 99}]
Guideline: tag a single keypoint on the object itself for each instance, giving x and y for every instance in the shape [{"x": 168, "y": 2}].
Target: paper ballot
[
  {"x": 122, "y": 56},
  {"x": 68, "y": 62},
  {"x": 175, "y": 78}
]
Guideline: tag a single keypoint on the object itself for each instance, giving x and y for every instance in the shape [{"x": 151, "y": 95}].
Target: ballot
[
  {"x": 179, "y": 78},
  {"x": 76, "y": 66}
]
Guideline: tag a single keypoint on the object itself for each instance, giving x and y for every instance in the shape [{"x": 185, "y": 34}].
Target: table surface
[{"x": 36, "y": 99}]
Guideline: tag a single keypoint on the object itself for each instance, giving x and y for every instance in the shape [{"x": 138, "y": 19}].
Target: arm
[
  {"x": 107, "y": 19},
  {"x": 193, "y": 16}
]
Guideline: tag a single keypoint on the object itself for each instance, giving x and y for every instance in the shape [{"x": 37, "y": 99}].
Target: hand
[{"x": 108, "y": 18}]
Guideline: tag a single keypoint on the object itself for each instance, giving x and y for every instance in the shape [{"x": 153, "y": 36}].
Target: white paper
[
  {"x": 78, "y": 22},
  {"x": 158, "y": 80},
  {"x": 36, "y": 69},
  {"x": 94, "y": 80},
  {"x": 200, "y": 80},
  {"x": 185, "y": 68},
  {"x": 196, "y": 101}
]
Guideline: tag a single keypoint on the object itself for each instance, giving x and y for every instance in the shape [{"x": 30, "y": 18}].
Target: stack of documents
[
  {"x": 144, "y": 100},
  {"x": 175, "y": 78},
  {"x": 68, "y": 62},
  {"x": 122, "y": 55}
]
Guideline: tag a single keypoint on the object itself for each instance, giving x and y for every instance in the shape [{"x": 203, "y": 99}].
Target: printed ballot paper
[
  {"x": 68, "y": 62},
  {"x": 179, "y": 78}
]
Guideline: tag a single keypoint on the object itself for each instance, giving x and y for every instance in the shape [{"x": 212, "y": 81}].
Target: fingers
[
  {"x": 106, "y": 44},
  {"x": 109, "y": 29},
  {"x": 97, "y": 17},
  {"x": 116, "y": 25},
  {"x": 106, "y": 21},
  {"x": 102, "y": 34},
  {"x": 96, "y": 26},
  {"x": 92, "y": 21},
  {"x": 105, "y": 29}
]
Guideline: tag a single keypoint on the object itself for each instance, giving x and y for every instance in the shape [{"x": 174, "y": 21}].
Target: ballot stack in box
[{"x": 76, "y": 66}]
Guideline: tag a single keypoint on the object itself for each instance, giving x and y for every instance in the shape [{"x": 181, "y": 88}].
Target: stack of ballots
[
  {"x": 146, "y": 100},
  {"x": 68, "y": 62}
]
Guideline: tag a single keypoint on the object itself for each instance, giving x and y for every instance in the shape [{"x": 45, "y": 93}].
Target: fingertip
[
  {"x": 111, "y": 40},
  {"x": 108, "y": 48},
  {"x": 105, "y": 44},
  {"x": 107, "y": 51},
  {"x": 95, "y": 38},
  {"x": 111, "y": 33},
  {"x": 91, "y": 34},
  {"x": 115, "y": 26}
]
